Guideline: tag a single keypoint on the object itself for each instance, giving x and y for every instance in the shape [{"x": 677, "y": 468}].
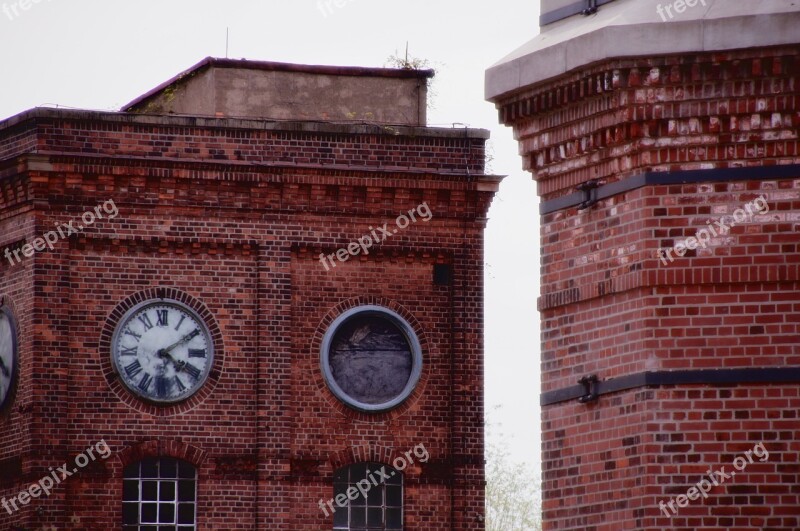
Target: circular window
[{"x": 371, "y": 358}]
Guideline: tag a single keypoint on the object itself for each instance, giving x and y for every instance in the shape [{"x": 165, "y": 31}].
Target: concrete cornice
[
  {"x": 633, "y": 28},
  {"x": 355, "y": 128}
]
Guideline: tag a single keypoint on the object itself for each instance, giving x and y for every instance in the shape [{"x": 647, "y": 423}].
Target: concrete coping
[
  {"x": 356, "y": 128},
  {"x": 635, "y": 28}
]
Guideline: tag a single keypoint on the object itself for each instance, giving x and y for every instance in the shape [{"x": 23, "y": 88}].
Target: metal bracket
[
  {"x": 591, "y": 8},
  {"x": 590, "y": 195},
  {"x": 589, "y": 384}
]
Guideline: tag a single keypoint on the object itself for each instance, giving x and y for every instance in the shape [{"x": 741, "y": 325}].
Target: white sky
[{"x": 101, "y": 54}]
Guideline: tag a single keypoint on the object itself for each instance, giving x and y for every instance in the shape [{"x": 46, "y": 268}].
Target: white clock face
[
  {"x": 8, "y": 357},
  {"x": 162, "y": 351}
]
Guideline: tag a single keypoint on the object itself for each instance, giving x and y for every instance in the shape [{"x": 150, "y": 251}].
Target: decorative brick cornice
[{"x": 678, "y": 112}]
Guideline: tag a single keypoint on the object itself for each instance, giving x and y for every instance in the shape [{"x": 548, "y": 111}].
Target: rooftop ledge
[
  {"x": 631, "y": 28},
  {"x": 355, "y": 128}
]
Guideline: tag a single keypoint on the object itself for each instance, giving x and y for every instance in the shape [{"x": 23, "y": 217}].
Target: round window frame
[
  {"x": 413, "y": 342},
  {"x": 118, "y": 330}
]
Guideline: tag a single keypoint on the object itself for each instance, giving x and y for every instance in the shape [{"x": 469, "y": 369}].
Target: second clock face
[
  {"x": 8, "y": 357},
  {"x": 162, "y": 351}
]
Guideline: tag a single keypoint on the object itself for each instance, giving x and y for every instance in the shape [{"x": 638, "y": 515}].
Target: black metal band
[
  {"x": 590, "y": 389},
  {"x": 569, "y": 10},
  {"x": 755, "y": 173}
]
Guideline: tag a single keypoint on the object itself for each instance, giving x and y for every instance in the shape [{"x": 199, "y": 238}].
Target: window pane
[
  {"x": 374, "y": 517},
  {"x": 394, "y": 496},
  {"x": 360, "y": 500},
  {"x": 149, "y": 490},
  {"x": 166, "y": 513},
  {"x": 394, "y": 519},
  {"x": 375, "y": 495},
  {"x": 186, "y": 491},
  {"x": 186, "y": 513},
  {"x": 185, "y": 470},
  {"x": 130, "y": 490},
  {"x": 169, "y": 468},
  {"x": 130, "y": 513},
  {"x": 167, "y": 491},
  {"x": 340, "y": 517},
  {"x": 149, "y": 468},
  {"x": 358, "y": 516},
  {"x": 149, "y": 512}
]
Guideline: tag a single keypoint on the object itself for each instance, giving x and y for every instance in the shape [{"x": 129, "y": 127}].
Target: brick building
[
  {"x": 250, "y": 294},
  {"x": 663, "y": 137}
]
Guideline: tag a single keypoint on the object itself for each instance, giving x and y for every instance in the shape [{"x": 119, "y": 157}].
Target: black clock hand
[
  {"x": 186, "y": 339},
  {"x": 179, "y": 365},
  {"x": 5, "y": 369}
]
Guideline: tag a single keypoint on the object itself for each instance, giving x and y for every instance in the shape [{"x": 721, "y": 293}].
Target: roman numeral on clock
[
  {"x": 148, "y": 324},
  {"x": 145, "y": 382},
  {"x": 191, "y": 369},
  {"x": 128, "y": 351},
  {"x": 179, "y": 384},
  {"x": 163, "y": 317},
  {"x": 128, "y": 332},
  {"x": 133, "y": 369},
  {"x": 161, "y": 387},
  {"x": 197, "y": 353}
]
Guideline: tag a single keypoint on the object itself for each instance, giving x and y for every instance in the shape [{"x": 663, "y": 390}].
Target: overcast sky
[{"x": 101, "y": 54}]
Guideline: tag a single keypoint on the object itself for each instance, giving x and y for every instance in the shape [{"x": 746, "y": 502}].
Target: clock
[
  {"x": 162, "y": 351},
  {"x": 8, "y": 357}
]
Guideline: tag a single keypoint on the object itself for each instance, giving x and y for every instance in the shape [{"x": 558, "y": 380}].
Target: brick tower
[
  {"x": 250, "y": 300},
  {"x": 663, "y": 137}
]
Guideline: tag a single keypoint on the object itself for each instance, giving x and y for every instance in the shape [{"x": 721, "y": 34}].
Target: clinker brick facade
[
  {"x": 697, "y": 359},
  {"x": 229, "y": 216}
]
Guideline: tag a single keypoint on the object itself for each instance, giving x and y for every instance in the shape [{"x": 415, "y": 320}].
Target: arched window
[
  {"x": 367, "y": 497},
  {"x": 159, "y": 494}
]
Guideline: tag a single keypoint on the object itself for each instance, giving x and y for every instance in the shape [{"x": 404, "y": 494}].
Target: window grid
[
  {"x": 159, "y": 495},
  {"x": 380, "y": 510}
]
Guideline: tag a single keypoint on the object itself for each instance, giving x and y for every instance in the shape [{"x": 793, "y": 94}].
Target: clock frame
[{"x": 162, "y": 351}]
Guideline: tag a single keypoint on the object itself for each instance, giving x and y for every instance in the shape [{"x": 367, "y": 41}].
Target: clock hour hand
[
  {"x": 179, "y": 365},
  {"x": 5, "y": 370}
]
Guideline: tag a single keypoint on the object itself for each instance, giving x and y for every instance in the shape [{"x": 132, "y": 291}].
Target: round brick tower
[{"x": 663, "y": 137}]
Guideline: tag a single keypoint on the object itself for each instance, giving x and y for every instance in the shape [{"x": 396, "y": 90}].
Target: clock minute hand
[{"x": 186, "y": 339}]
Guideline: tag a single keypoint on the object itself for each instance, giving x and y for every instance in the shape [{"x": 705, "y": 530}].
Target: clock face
[
  {"x": 8, "y": 357},
  {"x": 162, "y": 351}
]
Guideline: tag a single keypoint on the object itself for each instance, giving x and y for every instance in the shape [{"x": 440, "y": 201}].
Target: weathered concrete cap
[
  {"x": 231, "y": 88},
  {"x": 629, "y": 28}
]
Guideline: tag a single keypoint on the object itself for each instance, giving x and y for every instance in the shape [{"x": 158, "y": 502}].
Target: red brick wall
[
  {"x": 205, "y": 216},
  {"x": 610, "y": 307}
]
